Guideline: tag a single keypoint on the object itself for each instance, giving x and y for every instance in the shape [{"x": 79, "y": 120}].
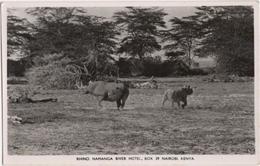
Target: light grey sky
[{"x": 109, "y": 11}]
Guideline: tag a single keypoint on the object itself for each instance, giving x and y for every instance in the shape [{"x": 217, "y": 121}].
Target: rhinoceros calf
[
  {"x": 109, "y": 91},
  {"x": 177, "y": 96}
]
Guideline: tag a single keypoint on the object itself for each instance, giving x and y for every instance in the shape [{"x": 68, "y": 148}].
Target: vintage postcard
[{"x": 130, "y": 83}]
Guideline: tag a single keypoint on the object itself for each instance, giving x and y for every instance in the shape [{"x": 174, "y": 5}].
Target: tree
[
  {"x": 88, "y": 41},
  {"x": 100, "y": 41},
  {"x": 141, "y": 29},
  {"x": 55, "y": 30},
  {"x": 18, "y": 35},
  {"x": 182, "y": 38},
  {"x": 174, "y": 54},
  {"x": 228, "y": 33}
]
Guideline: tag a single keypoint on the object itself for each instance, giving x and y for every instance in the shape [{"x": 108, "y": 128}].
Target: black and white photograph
[{"x": 130, "y": 80}]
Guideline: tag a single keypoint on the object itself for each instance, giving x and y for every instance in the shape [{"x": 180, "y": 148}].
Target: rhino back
[
  {"x": 101, "y": 87},
  {"x": 113, "y": 85},
  {"x": 96, "y": 88}
]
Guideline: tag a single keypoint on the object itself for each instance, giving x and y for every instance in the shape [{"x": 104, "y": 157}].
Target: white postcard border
[{"x": 71, "y": 159}]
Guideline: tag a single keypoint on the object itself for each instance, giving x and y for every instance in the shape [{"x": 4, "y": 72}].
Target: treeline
[{"x": 92, "y": 46}]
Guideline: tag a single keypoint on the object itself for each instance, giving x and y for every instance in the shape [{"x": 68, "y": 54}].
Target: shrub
[
  {"x": 130, "y": 67},
  {"x": 52, "y": 76},
  {"x": 175, "y": 68},
  {"x": 15, "y": 68},
  {"x": 152, "y": 66},
  {"x": 47, "y": 59},
  {"x": 20, "y": 94},
  {"x": 49, "y": 71},
  {"x": 198, "y": 72}
]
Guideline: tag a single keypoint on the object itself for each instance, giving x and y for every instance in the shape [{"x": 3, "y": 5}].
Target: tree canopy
[
  {"x": 141, "y": 27},
  {"x": 91, "y": 44},
  {"x": 228, "y": 33},
  {"x": 182, "y": 37},
  {"x": 88, "y": 41},
  {"x": 18, "y": 35}
]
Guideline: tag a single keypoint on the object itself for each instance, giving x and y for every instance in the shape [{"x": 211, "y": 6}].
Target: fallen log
[{"x": 43, "y": 100}]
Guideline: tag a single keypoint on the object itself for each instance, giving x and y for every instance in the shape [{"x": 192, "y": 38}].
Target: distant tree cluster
[
  {"x": 91, "y": 44},
  {"x": 228, "y": 33}
]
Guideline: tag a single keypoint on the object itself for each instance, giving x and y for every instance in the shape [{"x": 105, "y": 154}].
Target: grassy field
[{"x": 219, "y": 119}]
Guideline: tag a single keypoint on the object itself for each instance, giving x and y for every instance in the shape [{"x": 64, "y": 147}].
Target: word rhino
[{"x": 109, "y": 91}]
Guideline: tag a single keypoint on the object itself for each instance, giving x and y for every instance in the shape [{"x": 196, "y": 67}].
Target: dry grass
[{"x": 219, "y": 119}]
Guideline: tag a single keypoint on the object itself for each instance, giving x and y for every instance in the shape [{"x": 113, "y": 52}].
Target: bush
[
  {"x": 52, "y": 76},
  {"x": 20, "y": 94},
  {"x": 49, "y": 71},
  {"x": 176, "y": 68},
  {"x": 47, "y": 59},
  {"x": 242, "y": 66},
  {"x": 152, "y": 66},
  {"x": 15, "y": 68},
  {"x": 198, "y": 72},
  {"x": 130, "y": 67}
]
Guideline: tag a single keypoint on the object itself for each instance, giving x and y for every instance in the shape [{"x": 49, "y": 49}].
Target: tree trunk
[
  {"x": 141, "y": 56},
  {"x": 189, "y": 57}
]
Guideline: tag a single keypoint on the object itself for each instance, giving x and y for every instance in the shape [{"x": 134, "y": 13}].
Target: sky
[{"x": 108, "y": 12}]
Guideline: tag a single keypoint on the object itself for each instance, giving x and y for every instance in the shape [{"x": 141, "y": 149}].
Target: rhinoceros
[{"x": 109, "y": 91}]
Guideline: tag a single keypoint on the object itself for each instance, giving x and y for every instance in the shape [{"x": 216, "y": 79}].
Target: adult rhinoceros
[{"x": 109, "y": 91}]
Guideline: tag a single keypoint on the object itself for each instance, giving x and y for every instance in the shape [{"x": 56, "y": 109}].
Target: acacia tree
[
  {"x": 18, "y": 35},
  {"x": 53, "y": 28},
  {"x": 100, "y": 41},
  {"x": 141, "y": 29},
  {"x": 88, "y": 41},
  {"x": 182, "y": 38},
  {"x": 228, "y": 33}
]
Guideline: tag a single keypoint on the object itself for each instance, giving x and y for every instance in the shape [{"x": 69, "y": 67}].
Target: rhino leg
[
  {"x": 184, "y": 103},
  {"x": 172, "y": 103},
  {"x": 100, "y": 99},
  {"x": 124, "y": 97},
  {"x": 179, "y": 104},
  {"x": 118, "y": 103},
  {"x": 164, "y": 100}
]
